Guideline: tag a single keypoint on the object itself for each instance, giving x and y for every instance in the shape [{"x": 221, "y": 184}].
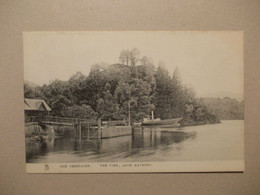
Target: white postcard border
[{"x": 137, "y": 167}]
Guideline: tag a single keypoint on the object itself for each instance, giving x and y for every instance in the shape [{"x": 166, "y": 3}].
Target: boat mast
[
  {"x": 152, "y": 115},
  {"x": 129, "y": 114}
]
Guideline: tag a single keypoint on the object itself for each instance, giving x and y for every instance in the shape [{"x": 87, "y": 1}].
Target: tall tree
[
  {"x": 129, "y": 57},
  {"x": 28, "y": 91},
  {"x": 163, "y": 93},
  {"x": 106, "y": 105},
  {"x": 125, "y": 57},
  {"x": 134, "y": 56}
]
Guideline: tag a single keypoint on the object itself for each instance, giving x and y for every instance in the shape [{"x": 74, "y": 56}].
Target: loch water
[{"x": 224, "y": 141}]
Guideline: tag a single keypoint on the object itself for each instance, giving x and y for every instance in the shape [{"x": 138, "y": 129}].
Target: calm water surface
[{"x": 206, "y": 142}]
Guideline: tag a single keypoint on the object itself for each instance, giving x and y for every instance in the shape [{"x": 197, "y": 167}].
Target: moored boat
[
  {"x": 158, "y": 122},
  {"x": 175, "y": 122}
]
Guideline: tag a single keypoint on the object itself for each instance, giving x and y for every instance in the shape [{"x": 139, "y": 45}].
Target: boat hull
[{"x": 166, "y": 122}]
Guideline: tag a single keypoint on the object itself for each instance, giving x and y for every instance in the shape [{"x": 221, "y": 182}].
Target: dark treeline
[{"x": 109, "y": 89}]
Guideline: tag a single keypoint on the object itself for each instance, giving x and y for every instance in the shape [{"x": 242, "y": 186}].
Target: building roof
[{"x": 34, "y": 104}]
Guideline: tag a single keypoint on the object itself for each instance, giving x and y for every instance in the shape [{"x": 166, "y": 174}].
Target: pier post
[
  {"x": 99, "y": 128},
  {"x": 88, "y": 130},
  {"x": 129, "y": 114},
  {"x": 75, "y": 130},
  {"x": 79, "y": 128}
]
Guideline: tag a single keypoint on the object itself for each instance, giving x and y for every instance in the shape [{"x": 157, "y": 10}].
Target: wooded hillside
[
  {"x": 224, "y": 108},
  {"x": 109, "y": 89}
]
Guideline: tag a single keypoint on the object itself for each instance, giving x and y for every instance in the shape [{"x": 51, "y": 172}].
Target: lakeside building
[{"x": 34, "y": 108}]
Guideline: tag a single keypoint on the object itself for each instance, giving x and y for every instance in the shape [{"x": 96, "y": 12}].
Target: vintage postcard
[{"x": 133, "y": 101}]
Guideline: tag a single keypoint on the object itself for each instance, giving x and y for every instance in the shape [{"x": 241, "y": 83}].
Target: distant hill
[{"x": 224, "y": 108}]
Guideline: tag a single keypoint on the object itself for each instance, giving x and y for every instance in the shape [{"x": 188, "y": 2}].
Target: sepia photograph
[{"x": 133, "y": 101}]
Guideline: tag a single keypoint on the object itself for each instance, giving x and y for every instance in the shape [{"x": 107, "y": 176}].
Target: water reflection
[
  {"x": 149, "y": 141},
  {"x": 142, "y": 142}
]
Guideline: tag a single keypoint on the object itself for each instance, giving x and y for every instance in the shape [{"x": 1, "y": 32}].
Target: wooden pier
[{"x": 93, "y": 129}]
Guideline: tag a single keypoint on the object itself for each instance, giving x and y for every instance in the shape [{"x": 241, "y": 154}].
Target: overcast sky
[{"x": 210, "y": 62}]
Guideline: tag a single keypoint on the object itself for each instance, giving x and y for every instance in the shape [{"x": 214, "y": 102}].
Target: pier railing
[
  {"x": 71, "y": 121},
  {"x": 115, "y": 123},
  {"x": 58, "y": 119},
  {"x": 91, "y": 128}
]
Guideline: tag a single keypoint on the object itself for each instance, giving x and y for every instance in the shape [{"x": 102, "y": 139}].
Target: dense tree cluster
[
  {"x": 198, "y": 114},
  {"x": 224, "y": 108},
  {"x": 109, "y": 90}
]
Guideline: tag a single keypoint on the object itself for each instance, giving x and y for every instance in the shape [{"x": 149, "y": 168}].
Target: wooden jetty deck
[{"x": 95, "y": 128}]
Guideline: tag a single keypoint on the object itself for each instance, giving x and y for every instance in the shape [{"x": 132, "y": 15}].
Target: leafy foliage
[
  {"x": 224, "y": 108},
  {"x": 108, "y": 91}
]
